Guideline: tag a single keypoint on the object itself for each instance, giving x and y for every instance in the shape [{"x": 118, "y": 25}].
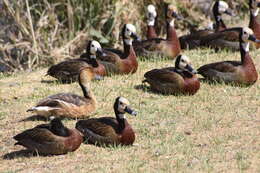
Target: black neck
[
  {"x": 219, "y": 23},
  {"x": 58, "y": 128},
  {"x": 243, "y": 52},
  {"x": 127, "y": 49},
  {"x": 121, "y": 121},
  {"x": 92, "y": 61}
]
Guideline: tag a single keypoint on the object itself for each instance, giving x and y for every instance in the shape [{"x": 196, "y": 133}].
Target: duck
[
  {"x": 118, "y": 62},
  {"x": 170, "y": 46},
  {"x": 151, "y": 15},
  {"x": 191, "y": 41},
  {"x": 50, "y": 139},
  {"x": 68, "y": 71},
  {"x": 254, "y": 23},
  {"x": 180, "y": 79},
  {"x": 69, "y": 105},
  {"x": 234, "y": 72},
  {"x": 107, "y": 131},
  {"x": 230, "y": 39}
]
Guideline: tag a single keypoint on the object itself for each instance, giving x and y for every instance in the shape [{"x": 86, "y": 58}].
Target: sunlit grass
[{"x": 216, "y": 130}]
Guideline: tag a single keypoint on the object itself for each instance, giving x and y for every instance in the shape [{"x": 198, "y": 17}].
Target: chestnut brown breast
[
  {"x": 191, "y": 85},
  {"x": 254, "y": 24}
]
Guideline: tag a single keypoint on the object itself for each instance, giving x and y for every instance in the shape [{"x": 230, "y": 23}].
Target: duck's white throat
[
  {"x": 121, "y": 116},
  {"x": 245, "y": 46},
  {"x": 93, "y": 56},
  {"x": 151, "y": 22},
  {"x": 128, "y": 41},
  {"x": 172, "y": 23},
  {"x": 255, "y": 12}
]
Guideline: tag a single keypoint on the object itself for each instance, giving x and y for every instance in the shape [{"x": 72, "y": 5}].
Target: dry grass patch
[{"x": 216, "y": 130}]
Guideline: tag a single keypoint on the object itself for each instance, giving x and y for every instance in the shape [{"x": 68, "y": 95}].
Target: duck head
[
  {"x": 254, "y": 7},
  {"x": 254, "y": 4},
  {"x": 129, "y": 34},
  {"x": 122, "y": 106},
  {"x": 246, "y": 35},
  {"x": 151, "y": 14},
  {"x": 171, "y": 14},
  {"x": 221, "y": 7},
  {"x": 93, "y": 49},
  {"x": 183, "y": 63}
]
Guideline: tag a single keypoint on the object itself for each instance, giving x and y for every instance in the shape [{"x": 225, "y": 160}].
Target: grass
[{"x": 216, "y": 130}]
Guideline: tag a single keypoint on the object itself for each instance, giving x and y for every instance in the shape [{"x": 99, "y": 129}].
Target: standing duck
[
  {"x": 69, "y": 105},
  {"x": 169, "y": 46},
  {"x": 118, "y": 62},
  {"x": 254, "y": 23},
  {"x": 53, "y": 138},
  {"x": 236, "y": 72},
  {"x": 192, "y": 40},
  {"x": 109, "y": 130},
  {"x": 180, "y": 79},
  {"x": 152, "y": 14},
  {"x": 68, "y": 71}
]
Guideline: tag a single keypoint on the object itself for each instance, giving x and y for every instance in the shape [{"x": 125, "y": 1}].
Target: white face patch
[
  {"x": 124, "y": 100},
  {"x": 122, "y": 103},
  {"x": 245, "y": 35},
  {"x": 255, "y": 12},
  {"x": 151, "y": 8},
  {"x": 94, "y": 47},
  {"x": 129, "y": 30},
  {"x": 223, "y": 6},
  {"x": 183, "y": 62},
  {"x": 151, "y": 15}
]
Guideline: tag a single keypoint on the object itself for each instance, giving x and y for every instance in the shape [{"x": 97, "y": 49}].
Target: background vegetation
[
  {"x": 41, "y": 32},
  {"x": 216, "y": 130}
]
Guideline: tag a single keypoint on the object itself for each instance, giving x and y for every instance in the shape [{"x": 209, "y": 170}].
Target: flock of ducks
[{"x": 95, "y": 63}]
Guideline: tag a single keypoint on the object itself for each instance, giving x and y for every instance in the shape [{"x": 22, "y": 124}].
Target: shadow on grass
[
  {"x": 19, "y": 154},
  {"x": 215, "y": 82},
  {"x": 56, "y": 82},
  {"x": 148, "y": 89},
  {"x": 23, "y": 154},
  {"x": 145, "y": 88},
  {"x": 34, "y": 118}
]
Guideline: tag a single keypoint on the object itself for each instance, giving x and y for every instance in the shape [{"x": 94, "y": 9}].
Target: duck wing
[
  {"x": 62, "y": 98},
  {"x": 41, "y": 140},
  {"x": 67, "y": 70},
  {"x": 99, "y": 130},
  {"x": 164, "y": 75},
  {"x": 225, "y": 71},
  {"x": 110, "y": 56},
  {"x": 115, "y": 51}
]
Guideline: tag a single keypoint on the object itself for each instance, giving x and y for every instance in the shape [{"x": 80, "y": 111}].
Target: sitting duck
[
  {"x": 106, "y": 131},
  {"x": 180, "y": 79},
  {"x": 53, "y": 138},
  {"x": 235, "y": 72},
  {"x": 68, "y": 105},
  {"x": 68, "y": 71}
]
